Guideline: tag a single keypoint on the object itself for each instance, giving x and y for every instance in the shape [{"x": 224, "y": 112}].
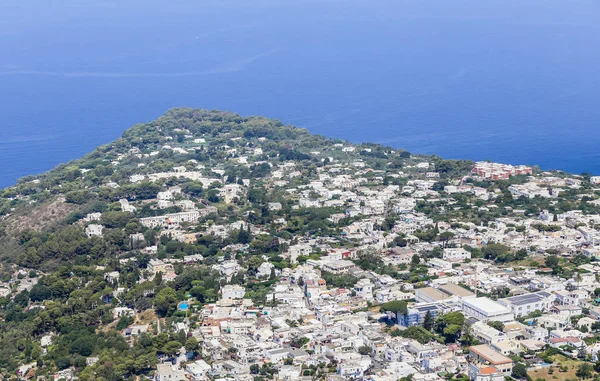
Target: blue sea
[{"x": 514, "y": 81}]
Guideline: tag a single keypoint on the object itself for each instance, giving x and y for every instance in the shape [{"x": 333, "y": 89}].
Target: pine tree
[
  {"x": 428, "y": 321},
  {"x": 244, "y": 236}
]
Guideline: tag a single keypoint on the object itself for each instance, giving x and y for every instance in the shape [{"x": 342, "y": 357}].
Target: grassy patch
[{"x": 562, "y": 369}]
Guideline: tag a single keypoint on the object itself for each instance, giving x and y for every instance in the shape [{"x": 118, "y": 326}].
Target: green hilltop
[{"x": 50, "y": 203}]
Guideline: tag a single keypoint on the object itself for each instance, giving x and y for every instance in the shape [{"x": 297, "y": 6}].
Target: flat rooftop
[
  {"x": 487, "y": 305},
  {"x": 527, "y": 298},
  {"x": 486, "y": 352},
  {"x": 454, "y": 289},
  {"x": 431, "y": 293},
  {"x": 425, "y": 308}
]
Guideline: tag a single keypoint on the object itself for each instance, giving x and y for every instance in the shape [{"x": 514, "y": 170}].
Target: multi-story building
[
  {"x": 497, "y": 171},
  {"x": 486, "y": 334},
  {"x": 233, "y": 291},
  {"x": 523, "y": 305},
  {"x": 190, "y": 216},
  {"x": 416, "y": 314},
  {"x": 485, "y": 373},
  {"x": 483, "y": 356},
  {"x": 485, "y": 309},
  {"x": 429, "y": 295},
  {"x": 456, "y": 254}
]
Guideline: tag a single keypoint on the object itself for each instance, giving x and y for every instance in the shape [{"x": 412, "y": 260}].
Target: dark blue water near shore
[{"x": 509, "y": 80}]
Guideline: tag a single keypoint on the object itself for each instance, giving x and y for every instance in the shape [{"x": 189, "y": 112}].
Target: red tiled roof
[{"x": 488, "y": 370}]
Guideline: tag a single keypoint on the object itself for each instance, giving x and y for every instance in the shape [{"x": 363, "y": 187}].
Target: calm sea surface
[{"x": 509, "y": 80}]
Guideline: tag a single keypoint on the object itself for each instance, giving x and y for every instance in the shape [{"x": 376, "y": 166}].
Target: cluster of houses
[
  {"x": 498, "y": 171},
  {"x": 336, "y": 326},
  {"x": 308, "y": 324}
]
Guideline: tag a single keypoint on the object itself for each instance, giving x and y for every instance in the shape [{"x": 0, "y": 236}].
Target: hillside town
[{"x": 331, "y": 262}]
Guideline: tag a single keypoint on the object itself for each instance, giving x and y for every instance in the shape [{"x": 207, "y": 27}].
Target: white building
[
  {"x": 306, "y": 203},
  {"x": 233, "y": 291},
  {"x": 439, "y": 264},
  {"x": 429, "y": 295},
  {"x": 297, "y": 250},
  {"x": 136, "y": 178},
  {"x": 264, "y": 270},
  {"x": 485, "y": 309},
  {"x": 46, "y": 341},
  {"x": 94, "y": 230},
  {"x": 228, "y": 268},
  {"x": 190, "y": 216},
  {"x": 364, "y": 289},
  {"x": 350, "y": 369},
  {"x": 92, "y": 217},
  {"x": 523, "y": 305},
  {"x": 168, "y": 372},
  {"x": 456, "y": 254},
  {"x": 198, "y": 370},
  {"x": 126, "y": 207},
  {"x": 487, "y": 334},
  {"x": 485, "y": 373},
  {"x": 274, "y": 206},
  {"x": 337, "y": 267}
]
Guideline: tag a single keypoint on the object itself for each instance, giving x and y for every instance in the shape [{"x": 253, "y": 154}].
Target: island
[{"x": 206, "y": 245}]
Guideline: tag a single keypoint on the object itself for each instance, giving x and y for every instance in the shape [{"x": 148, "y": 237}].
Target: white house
[
  {"x": 297, "y": 250},
  {"x": 233, "y": 291},
  {"x": 198, "y": 370},
  {"x": 168, "y": 372},
  {"x": 264, "y": 270},
  {"x": 523, "y": 305},
  {"x": 274, "y": 206},
  {"x": 456, "y": 254},
  {"x": 126, "y": 207},
  {"x": 94, "y": 230},
  {"x": 487, "y": 334},
  {"x": 364, "y": 289}
]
